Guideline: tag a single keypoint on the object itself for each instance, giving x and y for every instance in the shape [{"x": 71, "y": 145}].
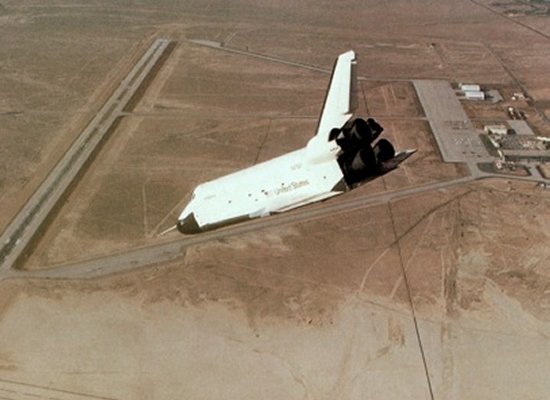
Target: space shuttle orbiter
[{"x": 343, "y": 153}]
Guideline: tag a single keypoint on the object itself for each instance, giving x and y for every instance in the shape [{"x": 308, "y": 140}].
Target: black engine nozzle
[
  {"x": 368, "y": 161},
  {"x": 360, "y": 131},
  {"x": 383, "y": 151},
  {"x": 357, "y": 134},
  {"x": 375, "y": 127}
]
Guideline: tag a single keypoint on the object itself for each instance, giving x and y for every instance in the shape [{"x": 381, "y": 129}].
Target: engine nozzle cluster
[{"x": 360, "y": 158}]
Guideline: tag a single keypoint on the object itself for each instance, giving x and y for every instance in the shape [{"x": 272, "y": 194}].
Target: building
[
  {"x": 474, "y": 95},
  {"x": 499, "y": 129},
  {"x": 519, "y": 148},
  {"x": 469, "y": 87},
  {"x": 519, "y": 96}
]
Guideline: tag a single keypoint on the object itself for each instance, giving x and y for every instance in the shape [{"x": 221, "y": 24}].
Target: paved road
[
  {"x": 160, "y": 253},
  {"x": 220, "y": 46}
]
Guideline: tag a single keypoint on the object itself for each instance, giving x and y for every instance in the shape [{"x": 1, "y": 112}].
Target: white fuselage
[
  {"x": 340, "y": 155},
  {"x": 298, "y": 178}
]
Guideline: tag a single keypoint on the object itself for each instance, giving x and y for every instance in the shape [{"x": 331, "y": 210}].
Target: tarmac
[{"x": 454, "y": 132}]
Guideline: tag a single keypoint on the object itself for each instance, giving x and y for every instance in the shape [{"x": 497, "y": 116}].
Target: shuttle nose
[{"x": 189, "y": 224}]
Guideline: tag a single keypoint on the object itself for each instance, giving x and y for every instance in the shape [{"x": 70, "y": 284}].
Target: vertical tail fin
[{"x": 340, "y": 100}]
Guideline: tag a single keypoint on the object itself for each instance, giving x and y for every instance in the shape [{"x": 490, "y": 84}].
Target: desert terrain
[{"x": 443, "y": 294}]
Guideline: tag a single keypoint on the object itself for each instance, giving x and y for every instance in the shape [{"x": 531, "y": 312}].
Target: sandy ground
[
  {"x": 444, "y": 295},
  {"x": 254, "y": 316}
]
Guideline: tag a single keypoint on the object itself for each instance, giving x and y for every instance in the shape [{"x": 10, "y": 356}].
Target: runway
[{"x": 22, "y": 230}]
